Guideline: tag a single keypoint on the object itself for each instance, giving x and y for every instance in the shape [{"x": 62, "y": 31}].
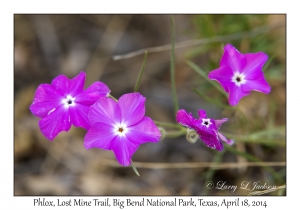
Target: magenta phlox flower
[
  {"x": 120, "y": 126},
  {"x": 206, "y": 128},
  {"x": 239, "y": 73},
  {"x": 64, "y": 103}
]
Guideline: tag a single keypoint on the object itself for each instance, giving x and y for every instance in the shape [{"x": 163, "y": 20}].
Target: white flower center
[
  {"x": 206, "y": 122},
  {"x": 120, "y": 129},
  {"x": 68, "y": 101},
  {"x": 238, "y": 78}
]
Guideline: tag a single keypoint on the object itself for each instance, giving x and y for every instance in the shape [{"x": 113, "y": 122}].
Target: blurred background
[{"x": 48, "y": 45}]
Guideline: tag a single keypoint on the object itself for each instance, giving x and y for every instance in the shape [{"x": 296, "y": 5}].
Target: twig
[
  {"x": 188, "y": 43},
  {"x": 113, "y": 163}
]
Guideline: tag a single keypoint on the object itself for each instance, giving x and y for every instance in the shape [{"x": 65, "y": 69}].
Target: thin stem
[
  {"x": 171, "y": 125},
  {"x": 174, "y": 134},
  {"x": 134, "y": 168},
  {"x": 204, "y": 75},
  {"x": 216, "y": 166},
  {"x": 174, "y": 94},
  {"x": 194, "y": 42},
  {"x": 113, "y": 98},
  {"x": 137, "y": 84}
]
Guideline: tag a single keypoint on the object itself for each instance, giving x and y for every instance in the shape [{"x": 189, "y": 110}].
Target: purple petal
[
  {"x": 79, "y": 116},
  {"x": 185, "y": 119},
  {"x": 76, "y": 84},
  {"x": 132, "y": 107},
  {"x": 211, "y": 141},
  {"x": 255, "y": 62},
  {"x": 57, "y": 121},
  {"x": 69, "y": 87},
  {"x": 233, "y": 58},
  {"x": 235, "y": 94},
  {"x": 222, "y": 75},
  {"x": 100, "y": 135},
  {"x": 123, "y": 149},
  {"x": 259, "y": 84},
  {"x": 92, "y": 93},
  {"x": 46, "y": 99},
  {"x": 105, "y": 110},
  {"x": 223, "y": 138},
  {"x": 61, "y": 84},
  {"x": 218, "y": 123},
  {"x": 202, "y": 113},
  {"x": 144, "y": 131}
]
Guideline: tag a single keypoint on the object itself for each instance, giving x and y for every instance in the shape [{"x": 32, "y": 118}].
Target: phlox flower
[
  {"x": 120, "y": 126},
  {"x": 239, "y": 73},
  {"x": 206, "y": 128},
  {"x": 64, "y": 103}
]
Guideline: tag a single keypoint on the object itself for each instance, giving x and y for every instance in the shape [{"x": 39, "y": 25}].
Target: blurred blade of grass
[
  {"x": 255, "y": 159},
  {"x": 174, "y": 94},
  {"x": 134, "y": 168},
  {"x": 268, "y": 63},
  {"x": 209, "y": 174},
  {"x": 258, "y": 137},
  {"x": 204, "y": 75},
  {"x": 210, "y": 99},
  {"x": 137, "y": 84},
  {"x": 267, "y": 191}
]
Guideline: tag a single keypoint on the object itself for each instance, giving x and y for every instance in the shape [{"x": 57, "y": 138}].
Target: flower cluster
[
  {"x": 121, "y": 126},
  {"x": 118, "y": 126}
]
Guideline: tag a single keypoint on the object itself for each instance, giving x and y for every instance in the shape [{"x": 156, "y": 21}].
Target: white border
[{"x": 8, "y": 8}]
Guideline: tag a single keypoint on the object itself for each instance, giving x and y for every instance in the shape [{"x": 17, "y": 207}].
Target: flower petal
[
  {"x": 76, "y": 84},
  {"x": 222, "y": 75},
  {"x": 223, "y": 138},
  {"x": 202, "y": 113},
  {"x": 92, "y": 93},
  {"x": 255, "y": 62},
  {"x": 259, "y": 84},
  {"x": 211, "y": 140},
  {"x": 55, "y": 122},
  {"x": 105, "y": 110},
  {"x": 236, "y": 93},
  {"x": 218, "y": 123},
  {"x": 123, "y": 149},
  {"x": 46, "y": 99},
  {"x": 100, "y": 135},
  {"x": 185, "y": 119},
  {"x": 61, "y": 84},
  {"x": 132, "y": 107},
  {"x": 69, "y": 87},
  {"x": 233, "y": 58},
  {"x": 144, "y": 131},
  {"x": 79, "y": 116}
]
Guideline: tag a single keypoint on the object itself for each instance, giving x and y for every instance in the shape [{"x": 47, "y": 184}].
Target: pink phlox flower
[
  {"x": 206, "y": 128},
  {"x": 239, "y": 73},
  {"x": 120, "y": 126},
  {"x": 64, "y": 103}
]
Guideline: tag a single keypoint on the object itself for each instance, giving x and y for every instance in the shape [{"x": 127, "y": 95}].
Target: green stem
[
  {"x": 174, "y": 94},
  {"x": 137, "y": 84},
  {"x": 204, "y": 75},
  {"x": 134, "y": 168},
  {"x": 171, "y": 125}
]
